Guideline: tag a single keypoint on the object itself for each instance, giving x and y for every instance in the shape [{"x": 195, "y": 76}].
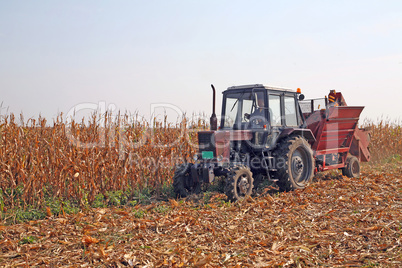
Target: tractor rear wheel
[
  {"x": 182, "y": 182},
  {"x": 239, "y": 183},
  {"x": 352, "y": 167},
  {"x": 294, "y": 163}
]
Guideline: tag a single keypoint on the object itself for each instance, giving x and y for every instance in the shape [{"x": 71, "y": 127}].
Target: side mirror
[{"x": 301, "y": 97}]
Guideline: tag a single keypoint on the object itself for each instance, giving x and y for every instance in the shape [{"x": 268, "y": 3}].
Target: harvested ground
[{"x": 335, "y": 222}]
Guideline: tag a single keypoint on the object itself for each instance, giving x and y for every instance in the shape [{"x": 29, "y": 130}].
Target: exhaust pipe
[{"x": 213, "y": 120}]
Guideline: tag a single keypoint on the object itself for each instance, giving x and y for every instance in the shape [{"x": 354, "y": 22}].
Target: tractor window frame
[
  {"x": 297, "y": 122},
  {"x": 227, "y": 121},
  {"x": 239, "y": 98},
  {"x": 290, "y": 110},
  {"x": 274, "y": 113}
]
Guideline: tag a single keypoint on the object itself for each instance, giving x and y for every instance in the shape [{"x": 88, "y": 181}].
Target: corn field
[
  {"x": 78, "y": 160},
  {"x": 386, "y": 140},
  {"x": 71, "y": 160}
]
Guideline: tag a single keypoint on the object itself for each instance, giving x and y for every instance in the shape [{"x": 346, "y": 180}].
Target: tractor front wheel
[
  {"x": 182, "y": 182},
  {"x": 239, "y": 183},
  {"x": 294, "y": 163}
]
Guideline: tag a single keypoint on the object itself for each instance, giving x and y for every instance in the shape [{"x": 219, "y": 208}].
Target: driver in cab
[{"x": 257, "y": 118}]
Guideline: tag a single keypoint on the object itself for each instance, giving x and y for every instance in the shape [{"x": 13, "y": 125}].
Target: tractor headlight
[
  {"x": 195, "y": 157},
  {"x": 219, "y": 158}
]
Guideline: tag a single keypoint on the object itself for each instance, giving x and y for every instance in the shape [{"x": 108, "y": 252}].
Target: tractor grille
[{"x": 206, "y": 142}]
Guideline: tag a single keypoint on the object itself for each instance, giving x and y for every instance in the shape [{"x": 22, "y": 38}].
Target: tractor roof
[{"x": 259, "y": 86}]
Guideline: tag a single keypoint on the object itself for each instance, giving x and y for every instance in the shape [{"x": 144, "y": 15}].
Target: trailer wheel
[
  {"x": 352, "y": 167},
  {"x": 239, "y": 183},
  {"x": 182, "y": 183},
  {"x": 294, "y": 163}
]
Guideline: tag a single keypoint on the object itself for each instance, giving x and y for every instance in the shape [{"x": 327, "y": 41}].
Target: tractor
[{"x": 271, "y": 133}]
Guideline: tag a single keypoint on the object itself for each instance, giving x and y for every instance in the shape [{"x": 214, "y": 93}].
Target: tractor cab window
[
  {"x": 232, "y": 104},
  {"x": 290, "y": 111},
  {"x": 275, "y": 110},
  {"x": 245, "y": 110}
]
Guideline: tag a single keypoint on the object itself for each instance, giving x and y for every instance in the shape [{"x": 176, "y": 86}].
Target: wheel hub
[
  {"x": 243, "y": 185},
  {"x": 297, "y": 165}
]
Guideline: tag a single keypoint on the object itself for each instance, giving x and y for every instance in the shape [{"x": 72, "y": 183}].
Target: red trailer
[{"x": 340, "y": 143}]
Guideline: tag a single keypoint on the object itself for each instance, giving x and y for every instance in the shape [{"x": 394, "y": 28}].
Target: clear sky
[{"x": 55, "y": 55}]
